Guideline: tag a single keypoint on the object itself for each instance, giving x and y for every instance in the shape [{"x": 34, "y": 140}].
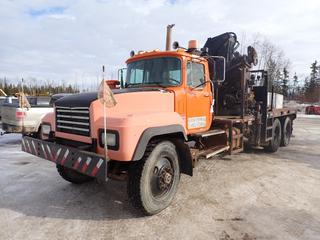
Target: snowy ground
[
  {"x": 246, "y": 196},
  {"x": 9, "y": 138},
  {"x": 302, "y": 115}
]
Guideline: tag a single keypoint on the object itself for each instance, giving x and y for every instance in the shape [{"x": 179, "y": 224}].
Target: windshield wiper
[
  {"x": 158, "y": 84},
  {"x": 133, "y": 84}
]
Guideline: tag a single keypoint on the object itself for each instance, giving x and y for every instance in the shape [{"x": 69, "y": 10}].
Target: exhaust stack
[{"x": 168, "y": 38}]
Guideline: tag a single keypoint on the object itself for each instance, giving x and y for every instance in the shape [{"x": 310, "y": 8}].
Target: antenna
[
  {"x": 103, "y": 72},
  {"x": 22, "y": 89},
  {"x": 105, "y": 123}
]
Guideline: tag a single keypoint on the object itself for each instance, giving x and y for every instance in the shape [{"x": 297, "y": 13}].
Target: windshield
[{"x": 164, "y": 71}]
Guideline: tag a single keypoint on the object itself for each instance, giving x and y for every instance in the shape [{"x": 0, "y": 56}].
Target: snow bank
[{"x": 13, "y": 138}]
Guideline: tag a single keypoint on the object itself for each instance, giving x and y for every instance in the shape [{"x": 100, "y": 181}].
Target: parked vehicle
[
  {"x": 6, "y": 101},
  {"x": 176, "y": 107},
  {"x": 16, "y": 119},
  {"x": 313, "y": 109}
]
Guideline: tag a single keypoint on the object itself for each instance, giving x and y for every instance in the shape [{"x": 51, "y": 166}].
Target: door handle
[{"x": 206, "y": 95}]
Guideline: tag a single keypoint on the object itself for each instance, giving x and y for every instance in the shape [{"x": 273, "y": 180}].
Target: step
[
  {"x": 238, "y": 150},
  {"x": 214, "y": 151},
  {"x": 210, "y": 133}
]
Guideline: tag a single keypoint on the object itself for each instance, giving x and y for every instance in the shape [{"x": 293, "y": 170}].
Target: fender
[
  {"x": 44, "y": 116},
  {"x": 183, "y": 150},
  {"x": 47, "y": 118},
  {"x": 153, "y": 132}
]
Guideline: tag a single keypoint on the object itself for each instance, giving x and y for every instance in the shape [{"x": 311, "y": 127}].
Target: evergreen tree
[
  {"x": 32, "y": 88},
  {"x": 295, "y": 90},
  {"x": 284, "y": 82},
  {"x": 312, "y": 85}
]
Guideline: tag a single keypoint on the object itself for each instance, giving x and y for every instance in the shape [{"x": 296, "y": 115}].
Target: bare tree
[{"x": 272, "y": 59}]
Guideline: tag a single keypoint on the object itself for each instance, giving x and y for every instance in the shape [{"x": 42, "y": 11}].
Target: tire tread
[
  {"x": 76, "y": 178},
  {"x": 135, "y": 173}
]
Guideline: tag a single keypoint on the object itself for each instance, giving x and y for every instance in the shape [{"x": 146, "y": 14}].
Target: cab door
[{"x": 199, "y": 98}]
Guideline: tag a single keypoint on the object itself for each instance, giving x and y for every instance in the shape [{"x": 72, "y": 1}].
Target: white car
[{"x": 26, "y": 120}]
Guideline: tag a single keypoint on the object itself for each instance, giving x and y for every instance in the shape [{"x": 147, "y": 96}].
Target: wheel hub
[
  {"x": 165, "y": 179},
  {"x": 162, "y": 178}
]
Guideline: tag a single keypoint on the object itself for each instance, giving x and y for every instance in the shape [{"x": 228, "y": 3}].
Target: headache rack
[{"x": 74, "y": 120}]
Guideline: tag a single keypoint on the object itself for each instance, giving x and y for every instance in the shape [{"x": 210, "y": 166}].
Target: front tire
[
  {"x": 274, "y": 143},
  {"x": 72, "y": 176},
  {"x": 153, "y": 181}
]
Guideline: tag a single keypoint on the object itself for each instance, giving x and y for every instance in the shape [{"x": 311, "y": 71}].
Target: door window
[{"x": 195, "y": 74}]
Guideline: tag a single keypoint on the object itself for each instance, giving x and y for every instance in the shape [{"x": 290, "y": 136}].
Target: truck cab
[{"x": 184, "y": 74}]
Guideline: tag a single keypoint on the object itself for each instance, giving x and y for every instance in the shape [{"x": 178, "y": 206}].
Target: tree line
[
  {"x": 33, "y": 89},
  {"x": 292, "y": 88},
  {"x": 281, "y": 78}
]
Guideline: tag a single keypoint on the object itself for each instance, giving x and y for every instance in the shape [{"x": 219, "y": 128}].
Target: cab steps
[
  {"x": 210, "y": 133},
  {"x": 214, "y": 151}
]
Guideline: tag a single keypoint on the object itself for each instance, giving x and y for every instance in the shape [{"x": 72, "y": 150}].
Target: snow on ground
[
  {"x": 253, "y": 195},
  {"x": 13, "y": 138},
  {"x": 302, "y": 115},
  {"x": 301, "y": 107}
]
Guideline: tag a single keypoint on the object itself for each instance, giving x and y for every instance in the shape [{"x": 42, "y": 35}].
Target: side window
[
  {"x": 195, "y": 74},
  {"x": 136, "y": 76}
]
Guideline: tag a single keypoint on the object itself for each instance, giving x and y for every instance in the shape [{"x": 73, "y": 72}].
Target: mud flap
[{"x": 87, "y": 163}]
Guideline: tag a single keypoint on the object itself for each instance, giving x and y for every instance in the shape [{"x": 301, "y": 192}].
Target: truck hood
[
  {"x": 85, "y": 99},
  {"x": 131, "y": 104}
]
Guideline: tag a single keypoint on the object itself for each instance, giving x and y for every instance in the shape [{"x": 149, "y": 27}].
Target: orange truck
[{"x": 175, "y": 107}]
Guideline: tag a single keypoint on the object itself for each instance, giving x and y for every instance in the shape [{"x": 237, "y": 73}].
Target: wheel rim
[
  {"x": 288, "y": 132},
  {"x": 276, "y": 138},
  {"x": 162, "y": 177}
]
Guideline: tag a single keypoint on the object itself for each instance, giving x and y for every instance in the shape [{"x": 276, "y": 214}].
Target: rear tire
[
  {"x": 274, "y": 143},
  {"x": 153, "y": 181},
  {"x": 72, "y": 176},
  {"x": 286, "y": 132}
]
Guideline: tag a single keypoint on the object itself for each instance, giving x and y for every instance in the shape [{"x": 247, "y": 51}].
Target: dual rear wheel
[
  {"x": 281, "y": 134},
  {"x": 286, "y": 132}
]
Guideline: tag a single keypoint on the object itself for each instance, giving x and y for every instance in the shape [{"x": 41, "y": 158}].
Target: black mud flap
[{"x": 87, "y": 163}]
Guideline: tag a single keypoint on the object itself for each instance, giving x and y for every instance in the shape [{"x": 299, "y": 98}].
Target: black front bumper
[{"x": 87, "y": 163}]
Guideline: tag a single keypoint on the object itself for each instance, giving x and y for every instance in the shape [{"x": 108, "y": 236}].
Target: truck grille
[{"x": 74, "y": 120}]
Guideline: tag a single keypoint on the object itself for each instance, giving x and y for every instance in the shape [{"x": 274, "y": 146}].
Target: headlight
[
  {"x": 112, "y": 138},
  {"x": 45, "y": 129}
]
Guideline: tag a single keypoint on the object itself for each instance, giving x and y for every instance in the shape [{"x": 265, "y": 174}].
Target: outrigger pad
[{"x": 87, "y": 163}]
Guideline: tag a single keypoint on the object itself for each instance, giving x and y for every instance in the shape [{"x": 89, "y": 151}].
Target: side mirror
[
  {"x": 122, "y": 73},
  {"x": 219, "y": 69}
]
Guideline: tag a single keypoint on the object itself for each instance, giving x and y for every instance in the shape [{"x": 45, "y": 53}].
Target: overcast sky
[{"x": 70, "y": 39}]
